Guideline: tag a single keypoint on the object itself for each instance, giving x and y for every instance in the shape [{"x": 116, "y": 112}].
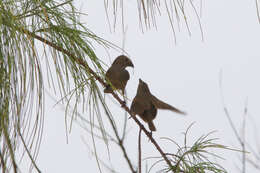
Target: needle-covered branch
[{"x": 83, "y": 63}]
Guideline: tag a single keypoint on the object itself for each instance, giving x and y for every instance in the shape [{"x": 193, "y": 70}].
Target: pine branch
[{"x": 83, "y": 63}]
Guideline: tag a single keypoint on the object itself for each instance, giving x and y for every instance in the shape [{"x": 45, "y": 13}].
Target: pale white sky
[{"x": 185, "y": 75}]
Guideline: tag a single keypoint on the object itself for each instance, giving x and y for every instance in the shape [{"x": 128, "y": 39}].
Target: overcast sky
[{"x": 185, "y": 75}]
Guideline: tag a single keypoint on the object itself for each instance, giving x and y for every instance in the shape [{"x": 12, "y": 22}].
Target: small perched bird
[
  {"x": 117, "y": 75},
  {"x": 145, "y": 105}
]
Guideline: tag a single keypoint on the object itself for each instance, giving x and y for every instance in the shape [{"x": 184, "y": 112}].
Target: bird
[
  {"x": 117, "y": 75},
  {"x": 145, "y": 104},
  {"x": 148, "y": 115}
]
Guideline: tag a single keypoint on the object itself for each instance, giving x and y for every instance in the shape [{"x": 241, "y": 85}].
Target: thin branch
[
  {"x": 100, "y": 160},
  {"x": 172, "y": 27},
  {"x": 254, "y": 164},
  {"x": 84, "y": 64},
  {"x": 240, "y": 139},
  {"x": 120, "y": 143},
  {"x": 125, "y": 155},
  {"x": 244, "y": 133},
  {"x": 2, "y": 162},
  {"x": 144, "y": 12},
  {"x": 257, "y": 10},
  {"x": 139, "y": 152},
  {"x": 198, "y": 18},
  {"x": 80, "y": 61},
  {"x": 27, "y": 151},
  {"x": 11, "y": 152},
  {"x": 227, "y": 112}
]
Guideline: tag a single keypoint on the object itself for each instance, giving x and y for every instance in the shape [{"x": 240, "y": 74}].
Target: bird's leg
[
  {"x": 108, "y": 88},
  {"x": 123, "y": 104},
  {"x": 151, "y": 133}
]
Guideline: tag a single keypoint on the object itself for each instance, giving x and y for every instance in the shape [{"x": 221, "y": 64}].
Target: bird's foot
[
  {"x": 151, "y": 134},
  {"x": 123, "y": 104},
  {"x": 108, "y": 89}
]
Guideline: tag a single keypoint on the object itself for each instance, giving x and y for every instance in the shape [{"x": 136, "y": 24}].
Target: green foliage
[
  {"x": 47, "y": 33},
  {"x": 195, "y": 158},
  {"x": 27, "y": 29}
]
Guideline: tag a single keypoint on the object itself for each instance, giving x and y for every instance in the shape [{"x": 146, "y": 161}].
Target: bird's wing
[
  {"x": 139, "y": 105},
  {"x": 162, "y": 105},
  {"x": 149, "y": 114},
  {"x": 110, "y": 73},
  {"x": 124, "y": 75}
]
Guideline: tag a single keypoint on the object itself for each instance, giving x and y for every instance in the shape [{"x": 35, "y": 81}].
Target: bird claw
[
  {"x": 151, "y": 133},
  {"x": 123, "y": 104},
  {"x": 108, "y": 89}
]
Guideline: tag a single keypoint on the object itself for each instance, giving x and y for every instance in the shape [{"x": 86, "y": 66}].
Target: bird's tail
[
  {"x": 151, "y": 126},
  {"x": 162, "y": 105}
]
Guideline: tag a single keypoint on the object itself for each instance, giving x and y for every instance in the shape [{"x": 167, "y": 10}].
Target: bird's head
[
  {"x": 143, "y": 87},
  {"x": 123, "y": 61}
]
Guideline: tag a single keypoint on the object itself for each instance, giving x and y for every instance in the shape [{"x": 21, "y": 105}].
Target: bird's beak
[
  {"x": 140, "y": 81},
  {"x": 131, "y": 64}
]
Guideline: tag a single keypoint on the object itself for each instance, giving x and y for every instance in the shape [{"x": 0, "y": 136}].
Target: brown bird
[
  {"x": 117, "y": 75},
  {"x": 145, "y": 105}
]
